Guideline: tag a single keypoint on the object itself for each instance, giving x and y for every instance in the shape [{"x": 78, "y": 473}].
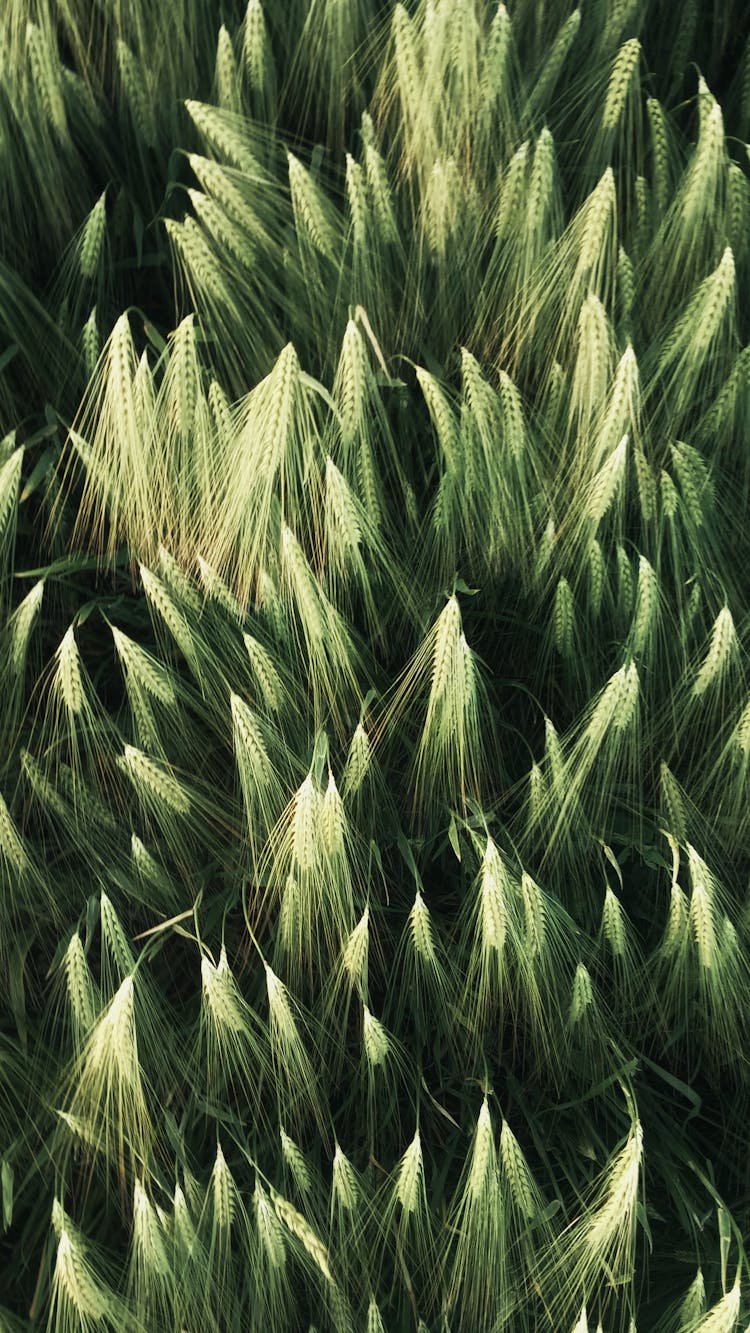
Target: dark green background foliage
[{"x": 374, "y": 712}]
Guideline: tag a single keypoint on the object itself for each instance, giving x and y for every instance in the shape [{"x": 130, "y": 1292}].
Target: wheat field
[{"x": 374, "y": 688}]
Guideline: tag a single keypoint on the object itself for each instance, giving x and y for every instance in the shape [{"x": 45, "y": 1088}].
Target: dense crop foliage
[{"x": 374, "y": 697}]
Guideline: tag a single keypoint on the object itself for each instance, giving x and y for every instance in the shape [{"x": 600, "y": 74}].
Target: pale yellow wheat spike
[
  {"x": 110, "y": 1077},
  {"x": 345, "y": 1183},
  {"x": 143, "y": 668},
  {"x": 79, "y": 983},
  {"x": 495, "y": 71},
  {"x": 582, "y": 1324},
  {"x": 220, "y": 410},
  {"x": 535, "y": 915},
  {"x": 10, "y": 477},
  {"x": 723, "y": 648},
  {"x": 625, "y": 584},
  {"x": 703, "y": 178},
  {"x": 92, "y": 239},
  {"x": 615, "y": 1214},
  {"x": 149, "y": 1241},
  {"x": 219, "y": 130},
  {"x": 256, "y": 47},
  {"x": 270, "y": 1230},
  {"x": 582, "y": 996},
  {"x": 249, "y": 743},
  {"x": 517, "y": 1172},
  {"x": 621, "y": 14},
  {"x": 45, "y": 69},
  {"x": 332, "y": 820},
  {"x": 197, "y": 260},
  {"x": 177, "y": 580},
  {"x": 146, "y": 773},
  {"x": 345, "y": 523},
  {"x": 351, "y": 384},
  {"x": 628, "y": 705},
  {"x": 114, "y": 937},
  {"x": 375, "y": 1038},
  {"x": 615, "y": 708},
  {"x": 299, "y": 1227},
  {"x": 73, "y": 1283},
  {"x": 374, "y": 1318},
  {"x": 621, "y": 415},
  {"x": 483, "y": 1162},
  {"x": 226, "y": 74},
  {"x": 68, "y": 674},
  {"x": 659, "y": 152},
  {"x": 169, "y": 612},
  {"x": 295, "y": 1057},
  {"x": 597, "y": 570},
  {"x": 11, "y": 845},
  {"x": 512, "y": 192},
  {"x": 223, "y": 233},
  {"x": 409, "y": 1175},
  {"x": 444, "y": 205},
  {"x": 144, "y": 396},
  {"x": 722, "y": 1317},
  {"x": 356, "y": 190},
  {"x": 563, "y": 619},
  {"x": 310, "y": 211},
  {"x": 541, "y": 186},
  {"x": 621, "y": 78},
  {"x": 221, "y": 187},
  {"x": 20, "y": 625},
  {"x": 514, "y": 425},
  {"x": 493, "y": 898},
  {"x": 625, "y": 287},
  {"x": 265, "y": 673},
  {"x": 646, "y": 606},
  {"x": 185, "y": 1232},
  {"x": 613, "y": 924},
  {"x": 382, "y": 195},
  {"x": 696, "y": 485},
  {"x": 356, "y": 950},
  {"x": 409, "y": 76},
  {"x": 443, "y": 418},
  {"x": 447, "y": 634},
  {"x": 307, "y": 594},
  {"x": 224, "y": 1191},
  {"x": 741, "y": 733},
  {"x": 593, "y": 360},
  {"x": 182, "y": 381},
  {"x": 597, "y": 238},
  {"x": 44, "y": 790},
  {"x": 305, "y": 830},
  {"x": 647, "y": 488},
  {"x": 295, "y": 1160},
  {"x": 358, "y": 760},
  {"x": 674, "y": 801},
  {"x": 676, "y": 931},
  {"x": 707, "y": 312},
  {"x": 221, "y": 996},
  {"x": 703, "y": 909},
  {"x": 554, "y": 755},
  {"x": 694, "y": 1303},
  {"x": 421, "y": 932},
  {"x": 537, "y": 787},
  {"x": 138, "y": 94},
  {"x": 607, "y": 483},
  {"x": 555, "y": 59}
]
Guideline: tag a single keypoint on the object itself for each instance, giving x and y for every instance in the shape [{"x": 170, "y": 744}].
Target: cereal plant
[{"x": 374, "y": 683}]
